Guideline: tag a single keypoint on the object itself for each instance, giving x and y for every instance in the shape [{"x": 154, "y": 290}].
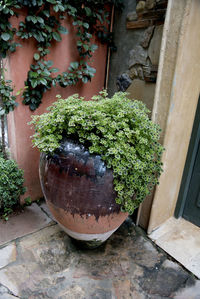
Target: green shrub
[
  {"x": 116, "y": 128},
  {"x": 11, "y": 186}
]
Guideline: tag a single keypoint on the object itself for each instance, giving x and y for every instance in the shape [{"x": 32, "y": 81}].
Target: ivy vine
[{"x": 44, "y": 24}]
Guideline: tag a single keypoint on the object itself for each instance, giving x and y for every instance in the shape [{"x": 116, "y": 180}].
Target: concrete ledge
[{"x": 180, "y": 239}]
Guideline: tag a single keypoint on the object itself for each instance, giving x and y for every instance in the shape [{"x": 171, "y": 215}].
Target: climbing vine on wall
[{"x": 44, "y": 24}]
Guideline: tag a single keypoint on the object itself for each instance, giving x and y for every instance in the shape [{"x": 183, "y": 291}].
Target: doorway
[{"x": 188, "y": 204}]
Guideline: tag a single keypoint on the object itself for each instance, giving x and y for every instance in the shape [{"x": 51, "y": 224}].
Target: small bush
[{"x": 11, "y": 186}]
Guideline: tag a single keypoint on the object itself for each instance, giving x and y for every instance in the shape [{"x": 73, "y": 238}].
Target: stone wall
[{"x": 138, "y": 33}]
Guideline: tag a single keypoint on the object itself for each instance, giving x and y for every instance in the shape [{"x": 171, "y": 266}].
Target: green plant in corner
[
  {"x": 118, "y": 129},
  {"x": 11, "y": 186}
]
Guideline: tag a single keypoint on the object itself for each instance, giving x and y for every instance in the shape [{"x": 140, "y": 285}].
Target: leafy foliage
[
  {"x": 116, "y": 128},
  {"x": 7, "y": 99},
  {"x": 11, "y": 186},
  {"x": 7, "y": 32},
  {"x": 44, "y": 23}
]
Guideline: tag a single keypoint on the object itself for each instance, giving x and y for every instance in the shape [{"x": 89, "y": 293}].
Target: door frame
[{"x": 189, "y": 164}]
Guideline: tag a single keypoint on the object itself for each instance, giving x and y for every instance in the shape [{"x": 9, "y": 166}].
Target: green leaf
[
  {"x": 46, "y": 73},
  {"x": 46, "y": 13},
  {"x": 94, "y": 47},
  {"x": 86, "y": 47},
  {"x": 54, "y": 70},
  {"x": 54, "y": 82},
  {"x": 74, "y": 65},
  {"x": 88, "y": 11},
  {"x": 57, "y": 36},
  {"x": 33, "y": 19},
  {"x": 2, "y": 111},
  {"x": 36, "y": 56},
  {"x": 62, "y": 30},
  {"x": 33, "y": 74},
  {"x": 79, "y": 43},
  {"x": 38, "y": 37},
  {"x": 86, "y": 25},
  {"x": 6, "y": 36},
  {"x": 32, "y": 107},
  {"x": 51, "y": 1},
  {"x": 56, "y": 8},
  {"x": 40, "y": 20},
  {"x": 49, "y": 63},
  {"x": 85, "y": 79},
  {"x": 43, "y": 81},
  {"x": 34, "y": 83}
]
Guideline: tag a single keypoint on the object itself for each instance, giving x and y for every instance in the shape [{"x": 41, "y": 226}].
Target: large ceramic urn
[{"x": 78, "y": 189}]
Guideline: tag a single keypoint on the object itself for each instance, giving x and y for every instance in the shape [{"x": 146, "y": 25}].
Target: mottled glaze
[{"x": 79, "y": 191}]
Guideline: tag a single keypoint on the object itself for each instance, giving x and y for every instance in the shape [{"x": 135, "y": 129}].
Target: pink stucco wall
[{"x": 19, "y": 131}]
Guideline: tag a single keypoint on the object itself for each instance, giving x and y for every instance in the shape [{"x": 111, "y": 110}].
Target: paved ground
[{"x": 39, "y": 261}]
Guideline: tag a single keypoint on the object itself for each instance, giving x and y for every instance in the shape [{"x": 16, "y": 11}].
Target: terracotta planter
[{"x": 79, "y": 192}]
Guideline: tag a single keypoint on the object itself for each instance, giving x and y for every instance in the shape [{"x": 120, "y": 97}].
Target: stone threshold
[{"x": 180, "y": 239}]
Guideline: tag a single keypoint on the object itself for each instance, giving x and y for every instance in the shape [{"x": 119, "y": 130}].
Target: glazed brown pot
[{"x": 78, "y": 189}]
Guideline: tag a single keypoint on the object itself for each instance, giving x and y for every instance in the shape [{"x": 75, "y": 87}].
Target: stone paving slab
[
  {"x": 7, "y": 255},
  {"x": 49, "y": 265},
  {"x": 192, "y": 292},
  {"x": 45, "y": 209},
  {"x": 29, "y": 221}
]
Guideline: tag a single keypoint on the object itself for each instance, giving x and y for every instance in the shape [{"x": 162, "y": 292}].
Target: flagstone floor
[{"x": 39, "y": 261}]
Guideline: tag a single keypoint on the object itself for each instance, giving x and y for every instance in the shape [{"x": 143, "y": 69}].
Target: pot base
[
  {"x": 88, "y": 240},
  {"x": 87, "y": 244}
]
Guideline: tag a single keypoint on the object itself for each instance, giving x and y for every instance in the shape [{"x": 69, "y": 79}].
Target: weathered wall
[
  {"x": 177, "y": 115},
  {"x": 133, "y": 67},
  {"x": 124, "y": 41},
  {"x": 19, "y": 131}
]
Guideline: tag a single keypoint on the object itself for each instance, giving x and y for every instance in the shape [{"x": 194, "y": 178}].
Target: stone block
[
  {"x": 7, "y": 255},
  {"x": 45, "y": 209},
  {"x": 155, "y": 44},
  {"x": 131, "y": 16},
  {"x": 30, "y": 220},
  {"x": 171, "y": 264},
  {"x": 192, "y": 292},
  {"x": 4, "y": 293},
  {"x": 143, "y": 91},
  {"x": 140, "y": 72},
  {"x": 138, "y": 55},
  {"x": 150, "y": 4},
  {"x": 133, "y": 73},
  {"x": 147, "y": 37},
  {"x": 140, "y": 6},
  {"x": 10, "y": 279}
]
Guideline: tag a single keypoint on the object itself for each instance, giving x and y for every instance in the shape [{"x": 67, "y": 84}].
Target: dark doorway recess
[{"x": 188, "y": 205}]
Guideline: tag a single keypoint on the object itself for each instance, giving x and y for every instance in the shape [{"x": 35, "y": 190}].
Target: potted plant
[{"x": 100, "y": 158}]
